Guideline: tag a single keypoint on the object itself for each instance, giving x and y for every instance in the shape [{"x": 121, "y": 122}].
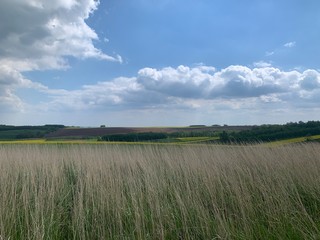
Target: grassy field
[
  {"x": 173, "y": 141},
  {"x": 76, "y": 191},
  {"x": 296, "y": 140}
]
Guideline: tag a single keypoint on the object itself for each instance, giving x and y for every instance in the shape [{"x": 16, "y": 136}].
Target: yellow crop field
[
  {"x": 196, "y": 139},
  {"x": 29, "y": 141}
]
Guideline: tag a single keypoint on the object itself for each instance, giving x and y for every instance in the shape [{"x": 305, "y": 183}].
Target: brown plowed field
[{"x": 95, "y": 132}]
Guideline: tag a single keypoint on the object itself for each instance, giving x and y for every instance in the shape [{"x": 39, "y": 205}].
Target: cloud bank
[
  {"x": 196, "y": 87},
  {"x": 236, "y": 92}
]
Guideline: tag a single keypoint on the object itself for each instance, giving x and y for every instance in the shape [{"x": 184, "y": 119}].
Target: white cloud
[
  {"x": 9, "y": 102},
  {"x": 290, "y": 44},
  {"x": 268, "y": 54},
  {"x": 194, "y": 88},
  {"x": 183, "y": 87},
  {"x": 10, "y": 81},
  {"x": 190, "y": 91},
  {"x": 310, "y": 80},
  {"x": 280, "y": 49},
  {"x": 180, "y": 82},
  {"x": 39, "y": 35},
  {"x": 262, "y": 64}
]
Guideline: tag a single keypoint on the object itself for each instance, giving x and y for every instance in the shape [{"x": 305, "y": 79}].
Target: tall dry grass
[{"x": 159, "y": 192}]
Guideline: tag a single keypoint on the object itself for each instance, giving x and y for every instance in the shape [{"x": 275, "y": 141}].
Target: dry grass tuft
[{"x": 159, "y": 192}]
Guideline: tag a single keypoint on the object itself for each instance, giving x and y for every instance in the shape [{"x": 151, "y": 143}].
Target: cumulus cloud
[
  {"x": 39, "y": 35},
  {"x": 10, "y": 80},
  {"x": 203, "y": 90},
  {"x": 196, "y": 87},
  {"x": 180, "y": 82},
  {"x": 310, "y": 80},
  {"x": 232, "y": 82}
]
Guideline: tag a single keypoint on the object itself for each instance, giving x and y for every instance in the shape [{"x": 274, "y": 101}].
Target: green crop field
[
  {"x": 112, "y": 191},
  {"x": 196, "y": 139}
]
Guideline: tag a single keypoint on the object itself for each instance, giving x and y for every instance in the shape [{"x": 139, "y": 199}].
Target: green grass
[
  {"x": 104, "y": 191},
  {"x": 296, "y": 140}
]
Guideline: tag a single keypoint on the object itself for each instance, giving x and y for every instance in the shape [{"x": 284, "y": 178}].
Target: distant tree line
[
  {"x": 154, "y": 136},
  {"x": 9, "y": 132},
  {"x": 134, "y": 137},
  {"x": 265, "y": 133},
  {"x": 47, "y": 127},
  {"x": 183, "y": 134}
]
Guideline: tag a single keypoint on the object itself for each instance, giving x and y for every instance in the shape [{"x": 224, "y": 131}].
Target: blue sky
[{"x": 159, "y": 63}]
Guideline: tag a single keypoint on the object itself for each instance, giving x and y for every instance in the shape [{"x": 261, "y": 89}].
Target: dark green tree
[{"x": 224, "y": 137}]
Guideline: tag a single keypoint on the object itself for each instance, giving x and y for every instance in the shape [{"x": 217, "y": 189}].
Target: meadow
[{"x": 113, "y": 191}]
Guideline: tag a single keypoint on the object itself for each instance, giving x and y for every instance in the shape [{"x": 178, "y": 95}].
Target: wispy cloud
[
  {"x": 268, "y": 54},
  {"x": 281, "y": 48},
  {"x": 290, "y": 44},
  {"x": 262, "y": 64}
]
